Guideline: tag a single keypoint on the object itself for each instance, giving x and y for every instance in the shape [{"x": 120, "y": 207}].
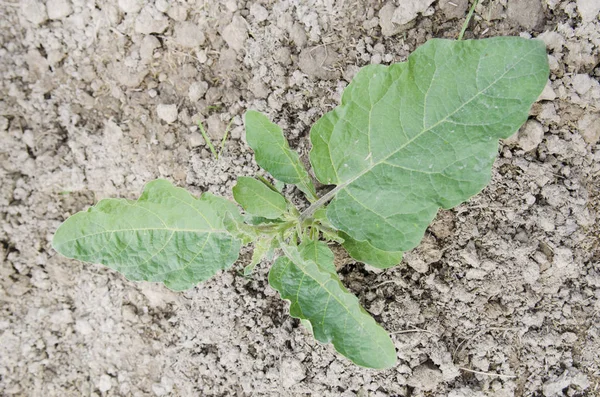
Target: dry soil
[{"x": 100, "y": 97}]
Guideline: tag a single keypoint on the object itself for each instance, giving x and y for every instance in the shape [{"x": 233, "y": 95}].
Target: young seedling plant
[
  {"x": 209, "y": 141},
  {"x": 406, "y": 140}
]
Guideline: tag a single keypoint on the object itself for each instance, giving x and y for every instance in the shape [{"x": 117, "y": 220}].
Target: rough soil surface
[{"x": 99, "y": 97}]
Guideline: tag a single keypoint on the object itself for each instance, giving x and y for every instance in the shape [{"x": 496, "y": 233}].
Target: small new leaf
[
  {"x": 257, "y": 199},
  {"x": 273, "y": 153},
  {"x": 166, "y": 236},
  {"x": 247, "y": 233},
  {"x": 261, "y": 249}
]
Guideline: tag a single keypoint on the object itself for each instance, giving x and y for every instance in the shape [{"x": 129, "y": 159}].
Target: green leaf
[
  {"x": 280, "y": 185},
  {"x": 261, "y": 249},
  {"x": 332, "y": 236},
  {"x": 320, "y": 216},
  {"x": 364, "y": 252},
  {"x": 166, "y": 236},
  {"x": 257, "y": 199},
  {"x": 323, "y": 224},
  {"x": 307, "y": 325},
  {"x": 318, "y": 252},
  {"x": 419, "y": 135},
  {"x": 335, "y": 314},
  {"x": 273, "y": 153},
  {"x": 235, "y": 225},
  {"x": 259, "y": 220},
  {"x": 270, "y": 185}
]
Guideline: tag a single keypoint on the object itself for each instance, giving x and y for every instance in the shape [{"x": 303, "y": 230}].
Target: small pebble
[{"x": 168, "y": 113}]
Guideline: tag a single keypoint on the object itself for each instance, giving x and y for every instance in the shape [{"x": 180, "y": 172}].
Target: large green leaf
[
  {"x": 364, "y": 252},
  {"x": 419, "y": 135},
  {"x": 273, "y": 153},
  {"x": 336, "y": 317},
  {"x": 257, "y": 199},
  {"x": 318, "y": 252},
  {"x": 166, "y": 236}
]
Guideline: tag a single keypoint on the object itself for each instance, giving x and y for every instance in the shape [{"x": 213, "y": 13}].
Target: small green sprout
[{"x": 209, "y": 142}]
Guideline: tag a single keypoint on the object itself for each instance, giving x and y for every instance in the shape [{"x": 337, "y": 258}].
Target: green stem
[
  {"x": 207, "y": 140},
  {"x": 469, "y": 16},
  {"x": 224, "y": 138},
  {"x": 307, "y": 213}
]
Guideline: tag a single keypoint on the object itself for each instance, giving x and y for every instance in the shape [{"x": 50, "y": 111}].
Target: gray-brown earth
[{"x": 99, "y": 97}]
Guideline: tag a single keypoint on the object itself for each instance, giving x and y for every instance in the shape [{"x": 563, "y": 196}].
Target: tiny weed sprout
[
  {"x": 209, "y": 142},
  {"x": 406, "y": 140}
]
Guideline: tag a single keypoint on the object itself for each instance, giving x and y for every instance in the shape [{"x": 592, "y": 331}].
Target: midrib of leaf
[
  {"x": 325, "y": 198},
  {"x": 305, "y": 274},
  {"x": 187, "y": 264},
  {"x": 384, "y": 218},
  {"x": 192, "y": 207},
  {"x": 418, "y": 135},
  {"x": 298, "y": 172},
  {"x": 174, "y": 230},
  {"x": 166, "y": 228}
]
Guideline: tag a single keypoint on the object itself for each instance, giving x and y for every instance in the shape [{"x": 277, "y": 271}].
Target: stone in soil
[
  {"x": 236, "y": 33},
  {"x": 167, "y": 112},
  {"x": 529, "y": 14}
]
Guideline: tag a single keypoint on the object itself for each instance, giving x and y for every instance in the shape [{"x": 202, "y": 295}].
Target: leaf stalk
[{"x": 307, "y": 213}]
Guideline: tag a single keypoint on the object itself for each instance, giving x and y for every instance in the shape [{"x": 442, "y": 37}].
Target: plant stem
[
  {"x": 224, "y": 138},
  {"x": 469, "y": 15},
  {"x": 307, "y": 213},
  {"x": 207, "y": 140},
  {"x": 486, "y": 373}
]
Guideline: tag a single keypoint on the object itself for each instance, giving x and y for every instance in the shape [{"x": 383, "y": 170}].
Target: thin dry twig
[
  {"x": 487, "y": 373},
  {"x": 397, "y": 282},
  {"x": 407, "y": 331},
  {"x": 477, "y": 335}
]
